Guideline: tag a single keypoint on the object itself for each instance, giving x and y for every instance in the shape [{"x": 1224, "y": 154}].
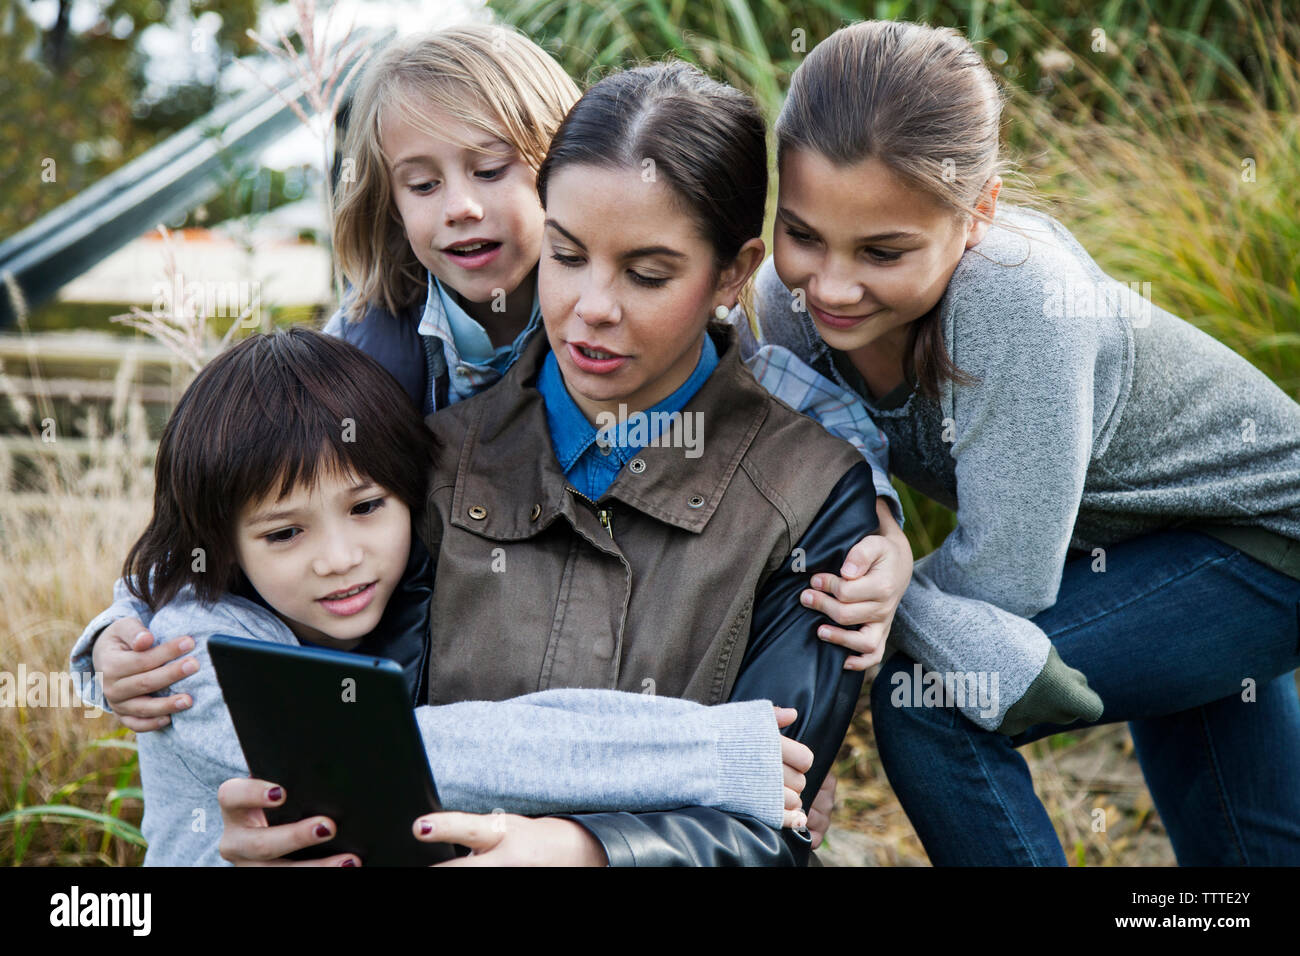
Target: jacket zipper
[{"x": 605, "y": 515}]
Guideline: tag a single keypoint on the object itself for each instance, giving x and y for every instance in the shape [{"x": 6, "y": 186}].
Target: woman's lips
[
  {"x": 346, "y": 607},
  {"x": 595, "y": 366},
  {"x": 838, "y": 321}
]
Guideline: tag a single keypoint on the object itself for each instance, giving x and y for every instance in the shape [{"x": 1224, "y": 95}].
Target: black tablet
[{"x": 337, "y": 731}]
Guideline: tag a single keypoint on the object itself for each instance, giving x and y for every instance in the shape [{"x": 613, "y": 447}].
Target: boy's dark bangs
[{"x": 332, "y": 416}]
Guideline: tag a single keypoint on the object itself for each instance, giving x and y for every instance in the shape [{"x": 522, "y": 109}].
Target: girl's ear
[
  {"x": 733, "y": 278},
  {"x": 986, "y": 206}
]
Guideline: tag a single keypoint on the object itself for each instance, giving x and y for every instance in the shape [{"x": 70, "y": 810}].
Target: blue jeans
[{"x": 1172, "y": 636}]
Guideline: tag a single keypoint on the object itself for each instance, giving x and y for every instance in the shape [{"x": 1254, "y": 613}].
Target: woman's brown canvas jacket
[{"x": 683, "y": 579}]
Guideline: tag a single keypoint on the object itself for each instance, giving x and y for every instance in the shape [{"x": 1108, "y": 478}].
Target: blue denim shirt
[{"x": 592, "y": 458}]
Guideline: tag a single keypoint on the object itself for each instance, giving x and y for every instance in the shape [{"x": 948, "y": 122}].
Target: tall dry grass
[
  {"x": 1197, "y": 197},
  {"x": 69, "y": 782}
]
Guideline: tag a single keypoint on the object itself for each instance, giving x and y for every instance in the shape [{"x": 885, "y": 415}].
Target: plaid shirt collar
[{"x": 434, "y": 322}]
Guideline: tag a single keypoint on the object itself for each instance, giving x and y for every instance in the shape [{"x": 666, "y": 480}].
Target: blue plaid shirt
[
  {"x": 591, "y": 458},
  {"x": 445, "y": 321},
  {"x": 837, "y": 409}
]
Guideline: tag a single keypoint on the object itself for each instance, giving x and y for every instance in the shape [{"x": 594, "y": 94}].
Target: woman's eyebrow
[
  {"x": 890, "y": 236},
  {"x": 637, "y": 253}
]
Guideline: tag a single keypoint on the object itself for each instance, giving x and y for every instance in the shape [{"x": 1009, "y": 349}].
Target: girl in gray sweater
[{"x": 1127, "y": 489}]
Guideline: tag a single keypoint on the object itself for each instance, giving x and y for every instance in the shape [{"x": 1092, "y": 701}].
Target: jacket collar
[{"x": 508, "y": 466}]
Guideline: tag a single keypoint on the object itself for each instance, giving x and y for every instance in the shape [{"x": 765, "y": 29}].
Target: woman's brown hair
[
  {"x": 707, "y": 140},
  {"x": 270, "y": 413}
]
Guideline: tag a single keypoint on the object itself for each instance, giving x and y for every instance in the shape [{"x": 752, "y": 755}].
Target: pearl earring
[{"x": 721, "y": 313}]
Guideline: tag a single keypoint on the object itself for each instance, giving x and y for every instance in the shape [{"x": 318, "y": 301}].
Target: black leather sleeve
[{"x": 786, "y": 663}]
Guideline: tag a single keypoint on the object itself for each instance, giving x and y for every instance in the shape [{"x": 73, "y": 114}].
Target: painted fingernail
[
  {"x": 274, "y": 794},
  {"x": 426, "y": 828},
  {"x": 322, "y": 830},
  {"x": 348, "y": 862}
]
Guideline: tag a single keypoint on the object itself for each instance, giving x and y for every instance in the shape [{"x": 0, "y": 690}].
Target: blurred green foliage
[
  {"x": 71, "y": 109},
  {"x": 757, "y": 44}
]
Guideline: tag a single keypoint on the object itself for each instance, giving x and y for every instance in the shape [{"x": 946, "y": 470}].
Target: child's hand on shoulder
[
  {"x": 133, "y": 669},
  {"x": 863, "y": 598}
]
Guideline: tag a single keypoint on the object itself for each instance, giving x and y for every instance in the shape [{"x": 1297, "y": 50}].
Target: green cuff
[{"x": 1058, "y": 695}]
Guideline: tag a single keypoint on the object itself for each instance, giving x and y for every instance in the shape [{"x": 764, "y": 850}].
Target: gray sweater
[
  {"x": 1098, "y": 417},
  {"x": 550, "y": 752}
]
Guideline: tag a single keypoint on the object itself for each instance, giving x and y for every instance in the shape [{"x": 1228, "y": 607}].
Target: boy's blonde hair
[{"x": 491, "y": 78}]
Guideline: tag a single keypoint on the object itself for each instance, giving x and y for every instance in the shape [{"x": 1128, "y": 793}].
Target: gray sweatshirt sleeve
[
  {"x": 549, "y": 752},
  {"x": 1023, "y": 444},
  {"x": 951, "y": 634},
  {"x": 125, "y": 604},
  {"x": 568, "y": 749},
  {"x": 1022, "y": 449}
]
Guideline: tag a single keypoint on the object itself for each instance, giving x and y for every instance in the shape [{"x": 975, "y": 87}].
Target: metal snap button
[
  {"x": 478, "y": 512},
  {"x": 636, "y": 465},
  {"x": 695, "y": 501},
  {"x": 535, "y": 513}
]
